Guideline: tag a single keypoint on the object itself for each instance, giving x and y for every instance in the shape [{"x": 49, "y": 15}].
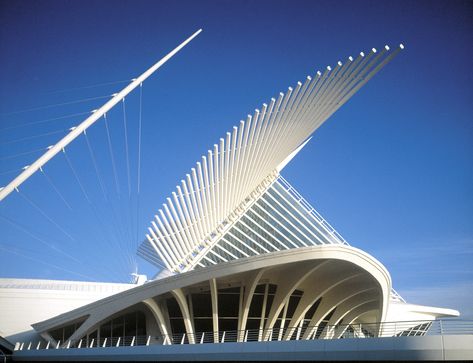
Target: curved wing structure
[{"x": 235, "y": 181}]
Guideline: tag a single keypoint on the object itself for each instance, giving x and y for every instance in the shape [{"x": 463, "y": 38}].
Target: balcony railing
[{"x": 322, "y": 331}]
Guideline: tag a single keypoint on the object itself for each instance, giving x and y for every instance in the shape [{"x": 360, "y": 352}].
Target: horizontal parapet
[{"x": 392, "y": 349}]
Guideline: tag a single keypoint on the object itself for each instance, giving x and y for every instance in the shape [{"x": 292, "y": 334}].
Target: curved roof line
[{"x": 99, "y": 310}]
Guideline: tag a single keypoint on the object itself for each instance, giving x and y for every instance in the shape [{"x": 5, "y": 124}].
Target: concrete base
[{"x": 436, "y": 348}]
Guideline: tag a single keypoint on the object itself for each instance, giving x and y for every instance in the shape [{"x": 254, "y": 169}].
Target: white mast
[{"x": 66, "y": 140}]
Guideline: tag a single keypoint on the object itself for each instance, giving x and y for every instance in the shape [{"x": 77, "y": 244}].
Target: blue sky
[{"x": 392, "y": 170}]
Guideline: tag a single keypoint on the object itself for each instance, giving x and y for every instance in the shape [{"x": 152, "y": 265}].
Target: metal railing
[
  {"x": 328, "y": 227},
  {"x": 311, "y": 210},
  {"x": 322, "y": 331}
]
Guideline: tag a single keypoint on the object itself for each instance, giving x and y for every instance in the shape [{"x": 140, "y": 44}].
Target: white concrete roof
[
  {"x": 24, "y": 301},
  {"x": 338, "y": 255}
]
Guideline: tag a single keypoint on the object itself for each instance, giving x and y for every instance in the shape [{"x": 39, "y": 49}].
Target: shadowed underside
[{"x": 293, "y": 288}]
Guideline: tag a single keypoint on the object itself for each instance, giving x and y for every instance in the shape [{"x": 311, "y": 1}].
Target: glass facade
[
  {"x": 229, "y": 311},
  {"x": 63, "y": 333},
  {"x": 120, "y": 330},
  {"x": 278, "y": 220}
]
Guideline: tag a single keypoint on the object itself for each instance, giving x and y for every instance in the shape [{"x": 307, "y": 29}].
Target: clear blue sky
[{"x": 392, "y": 170}]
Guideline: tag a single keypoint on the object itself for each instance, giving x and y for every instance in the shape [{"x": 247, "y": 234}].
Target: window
[{"x": 63, "y": 333}]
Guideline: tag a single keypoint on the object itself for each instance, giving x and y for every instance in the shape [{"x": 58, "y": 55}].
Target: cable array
[
  {"x": 113, "y": 230},
  {"x": 108, "y": 220}
]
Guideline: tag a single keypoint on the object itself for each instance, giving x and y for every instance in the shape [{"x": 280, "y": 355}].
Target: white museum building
[{"x": 249, "y": 270}]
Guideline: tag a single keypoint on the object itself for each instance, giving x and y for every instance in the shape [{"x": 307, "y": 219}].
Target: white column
[
  {"x": 158, "y": 315},
  {"x": 181, "y": 300},
  {"x": 250, "y": 285},
  {"x": 214, "y": 298}
]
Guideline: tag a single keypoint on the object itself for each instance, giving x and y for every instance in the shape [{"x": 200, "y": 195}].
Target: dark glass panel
[
  {"x": 140, "y": 323},
  {"x": 177, "y": 326},
  {"x": 65, "y": 332},
  {"x": 252, "y": 324},
  {"x": 272, "y": 289},
  {"x": 203, "y": 325},
  {"x": 106, "y": 330},
  {"x": 228, "y": 305},
  {"x": 293, "y": 302},
  {"x": 57, "y": 334},
  {"x": 227, "y": 324},
  {"x": 229, "y": 290},
  {"x": 276, "y": 326},
  {"x": 202, "y": 305},
  {"x": 269, "y": 303},
  {"x": 117, "y": 327},
  {"x": 259, "y": 289},
  {"x": 281, "y": 312},
  {"x": 69, "y": 330},
  {"x": 310, "y": 313},
  {"x": 93, "y": 335},
  {"x": 130, "y": 324},
  {"x": 320, "y": 329},
  {"x": 256, "y": 306},
  {"x": 173, "y": 308},
  {"x": 329, "y": 315}
]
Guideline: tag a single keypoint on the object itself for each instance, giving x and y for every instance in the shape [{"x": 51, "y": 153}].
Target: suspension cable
[
  {"x": 124, "y": 211},
  {"x": 56, "y": 105},
  {"x": 123, "y": 249},
  {"x": 45, "y": 120},
  {"x": 22, "y": 154},
  {"x": 33, "y": 137},
  {"x": 89, "y": 86},
  {"x": 126, "y": 147},
  {"x": 139, "y": 139},
  {"x": 112, "y": 157},
  {"x": 2, "y": 247},
  {"x": 138, "y": 183},
  {"x": 55, "y": 189},
  {"x": 11, "y": 171},
  {"x": 36, "y": 237},
  {"x": 112, "y": 207},
  {"x": 94, "y": 162},
  {"x": 44, "y": 214},
  {"x": 93, "y": 208},
  {"x": 76, "y": 175},
  {"x": 130, "y": 216}
]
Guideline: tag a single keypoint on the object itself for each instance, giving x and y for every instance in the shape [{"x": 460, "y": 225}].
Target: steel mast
[{"x": 66, "y": 140}]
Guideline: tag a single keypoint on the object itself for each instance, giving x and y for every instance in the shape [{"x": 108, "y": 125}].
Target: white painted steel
[
  {"x": 301, "y": 268},
  {"x": 82, "y": 127},
  {"x": 245, "y": 163},
  {"x": 158, "y": 315},
  {"x": 214, "y": 299}
]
